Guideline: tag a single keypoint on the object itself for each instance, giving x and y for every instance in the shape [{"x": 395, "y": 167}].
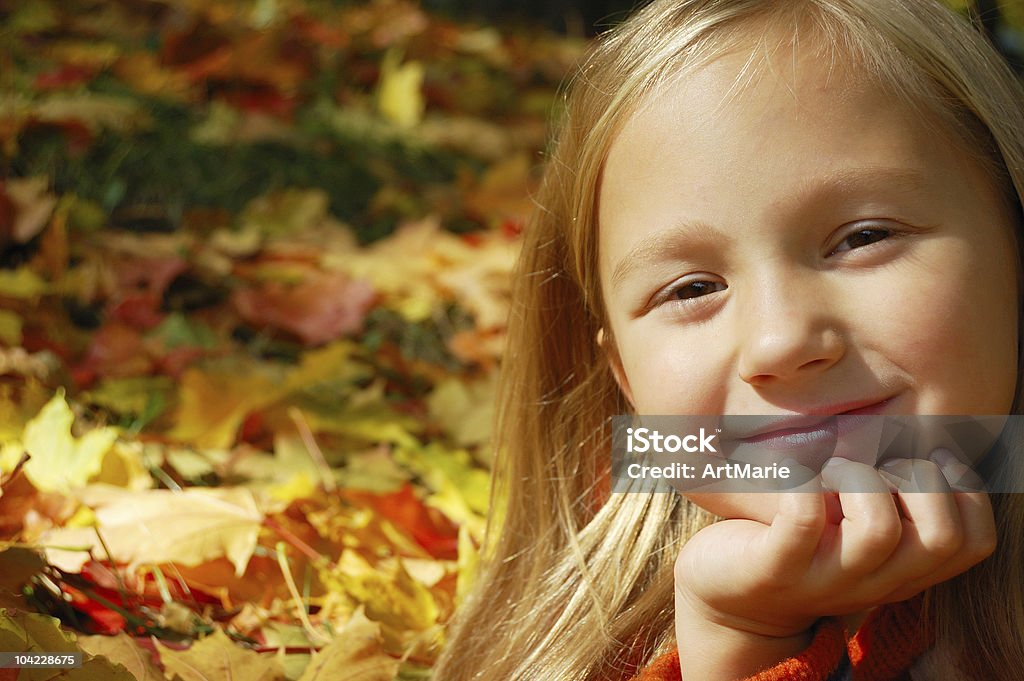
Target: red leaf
[
  {"x": 323, "y": 307},
  {"x": 427, "y": 526},
  {"x": 177, "y": 360},
  {"x": 149, "y": 275},
  {"x": 65, "y": 76},
  {"x": 140, "y": 311},
  {"x": 102, "y": 620},
  {"x": 116, "y": 350}
]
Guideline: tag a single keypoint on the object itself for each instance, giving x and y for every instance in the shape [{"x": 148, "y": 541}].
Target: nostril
[{"x": 814, "y": 363}]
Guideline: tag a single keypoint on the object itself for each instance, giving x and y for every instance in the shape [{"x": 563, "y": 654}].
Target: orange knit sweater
[{"x": 883, "y": 649}]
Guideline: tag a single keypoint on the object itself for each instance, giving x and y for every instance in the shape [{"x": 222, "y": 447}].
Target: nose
[{"x": 787, "y": 332}]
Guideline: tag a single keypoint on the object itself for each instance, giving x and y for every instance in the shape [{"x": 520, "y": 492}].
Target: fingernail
[{"x": 890, "y": 464}]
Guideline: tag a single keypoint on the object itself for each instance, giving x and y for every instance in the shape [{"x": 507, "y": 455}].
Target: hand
[{"x": 748, "y": 593}]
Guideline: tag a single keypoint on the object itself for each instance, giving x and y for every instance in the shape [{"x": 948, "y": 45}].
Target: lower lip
[
  {"x": 821, "y": 437},
  {"x": 821, "y": 433}
]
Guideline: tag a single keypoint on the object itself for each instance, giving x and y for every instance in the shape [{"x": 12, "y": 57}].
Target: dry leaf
[
  {"x": 321, "y": 308},
  {"x": 189, "y": 527},
  {"x": 355, "y": 654},
  {"x": 30, "y": 632},
  {"x": 122, "y": 649},
  {"x": 389, "y": 594},
  {"x": 217, "y": 658},
  {"x": 400, "y": 91},
  {"x": 33, "y": 205},
  {"x": 214, "y": 403},
  {"x": 61, "y": 462},
  {"x": 465, "y": 409}
]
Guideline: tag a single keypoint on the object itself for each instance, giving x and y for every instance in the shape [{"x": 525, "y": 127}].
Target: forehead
[
  {"x": 754, "y": 140},
  {"x": 758, "y": 84},
  {"x": 785, "y": 116}
]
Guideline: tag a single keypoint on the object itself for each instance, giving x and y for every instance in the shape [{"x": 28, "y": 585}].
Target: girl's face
[{"x": 802, "y": 244}]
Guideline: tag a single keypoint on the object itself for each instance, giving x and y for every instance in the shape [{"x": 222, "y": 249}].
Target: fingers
[
  {"x": 870, "y": 528},
  {"x": 795, "y": 533},
  {"x": 926, "y": 531},
  {"x": 944, "y": 533}
]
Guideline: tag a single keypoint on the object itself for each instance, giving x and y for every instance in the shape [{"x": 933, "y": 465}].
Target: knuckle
[
  {"x": 881, "y": 534},
  {"x": 942, "y": 540},
  {"x": 982, "y": 544}
]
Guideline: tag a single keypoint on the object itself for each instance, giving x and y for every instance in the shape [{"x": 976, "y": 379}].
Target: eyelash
[
  {"x": 886, "y": 231},
  {"x": 670, "y": 294}
]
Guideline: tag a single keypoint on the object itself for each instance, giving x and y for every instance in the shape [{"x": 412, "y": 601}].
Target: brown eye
[
  {"x": 861, "y": 238},
  {"x": 696, "y": 289}
]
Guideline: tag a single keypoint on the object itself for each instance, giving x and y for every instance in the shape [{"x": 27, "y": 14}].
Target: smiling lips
[{"x": 819, "y": 427}]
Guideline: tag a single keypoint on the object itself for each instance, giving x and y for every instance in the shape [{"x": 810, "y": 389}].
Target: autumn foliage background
[
  {"x": 254, "y": 269},
  {"x": 254, "y": 264}
]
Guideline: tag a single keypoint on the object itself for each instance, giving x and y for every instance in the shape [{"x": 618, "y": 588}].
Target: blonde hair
[{"x": 578, "y": 584}]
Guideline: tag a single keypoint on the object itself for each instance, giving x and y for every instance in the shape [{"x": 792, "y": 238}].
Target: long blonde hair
[{"x": 577, "y": 583}]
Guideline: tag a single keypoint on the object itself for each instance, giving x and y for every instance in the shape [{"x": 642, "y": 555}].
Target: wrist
[
  {"x": 714, "y": 648},
  {"x": 700, "y": 615}
]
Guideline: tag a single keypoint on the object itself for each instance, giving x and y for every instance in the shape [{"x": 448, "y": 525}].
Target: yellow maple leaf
[
  {"x": 400, "y": 91},
  {"x": 188, "y": 527},
  {"x": 355, "y": 653},
  {"x": 214, "y": 403},
  {"x": 390, "y": 595},
  {"x": 218, "y": 657},
  {"x": 59, "y": 461},
  {"x": 122, "y": 649}
]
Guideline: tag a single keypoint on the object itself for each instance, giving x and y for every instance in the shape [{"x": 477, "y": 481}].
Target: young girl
[{"x": 762, "y": 207}]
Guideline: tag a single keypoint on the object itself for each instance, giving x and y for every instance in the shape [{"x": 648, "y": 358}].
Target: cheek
[
  {"x": 675, "y": 371},
  {"x": 955, "y": 331}
]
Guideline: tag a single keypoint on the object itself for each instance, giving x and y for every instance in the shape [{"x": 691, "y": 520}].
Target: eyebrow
[
  {"x": 694, "y": 233},
  {"x": 654, "y": 246}
]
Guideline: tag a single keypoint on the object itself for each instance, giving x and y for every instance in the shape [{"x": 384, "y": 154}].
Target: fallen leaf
[
  {"x": 468, "y": 564},
  {"x": 400, "y": 90},
  {"x": 214, "y": 403},
  {"x": 355, "y": 654},
  {"x": 94, "y": 111},
  {"x": 31, "y": 632},
  {"x": 387, "y": 591},
  {"x": 373, "y": 471},
  {"x": 143, "y": 71},
  {"x": 33, "y": 205},
  {"x": 122, "y": 649},
  {"x": 286, "y": 213},
  {"x": 323, "y": 307},
  {"x": 404, "y": 509},
  {"x": 129, "y": 396},
  {"x": 189, "y": 527},
  {"x": 17, "y": 566},
  {"x": 465, "y": 409},
  {"x": 59, "y": 461},
  {"x": 22, "y": 283},
  {"x": 117, "y": 350},
  {"x": 218, "y": 658}
]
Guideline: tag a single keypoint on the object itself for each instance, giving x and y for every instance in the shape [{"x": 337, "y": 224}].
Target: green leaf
[{"x": 178, "y": 331}]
